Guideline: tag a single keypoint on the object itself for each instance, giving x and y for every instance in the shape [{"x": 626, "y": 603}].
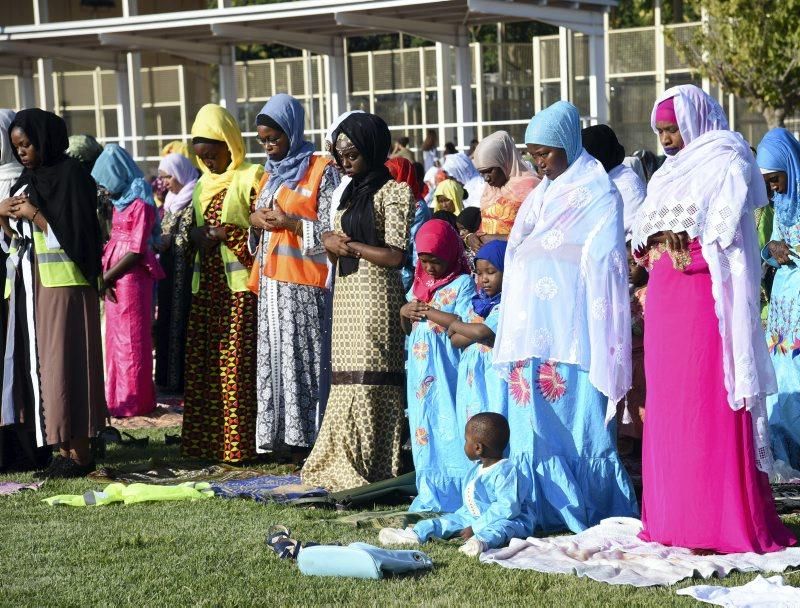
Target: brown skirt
[{"x": 70, "y": 350}]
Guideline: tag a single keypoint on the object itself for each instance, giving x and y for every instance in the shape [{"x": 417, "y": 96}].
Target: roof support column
[
  {"x": 130, "y": 114},
  {"x": 565, "y": 63},
  {"x": 444, "y": 92},
  {"x": 465, "y": 111},
  {"x": 336, "y": 81},
  {"x": 598, "y": 86},
  {"x": 44, "y": 67},
  {"x": 27, "y": 91},
  {"x": 227, "y": 80}
]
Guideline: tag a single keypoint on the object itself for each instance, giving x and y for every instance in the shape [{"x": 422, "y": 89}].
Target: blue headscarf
[
  {"x": 290, "y": 116},
  {"x": 493, "y": 252},
  {"x": 780, "y": 151},
  {"x": 117, "y": 172},
  {"x": 557, "y": 126}
]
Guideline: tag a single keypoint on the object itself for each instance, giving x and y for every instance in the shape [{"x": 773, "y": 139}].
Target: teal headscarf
[
  {"x": 780, "y": 151},
  {"x": 557, "y": 126},
  {"x": 117, "y": 172}
]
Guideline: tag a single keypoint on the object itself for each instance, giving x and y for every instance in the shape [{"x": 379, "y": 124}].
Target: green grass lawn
[{"x": 212, "y": 553}]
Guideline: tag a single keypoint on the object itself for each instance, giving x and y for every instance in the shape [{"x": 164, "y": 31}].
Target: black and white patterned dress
[{"x": 290, "y": 340}]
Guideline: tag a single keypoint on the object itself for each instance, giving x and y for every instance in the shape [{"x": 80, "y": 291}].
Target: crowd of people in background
[{"x": 551, "y": 302}]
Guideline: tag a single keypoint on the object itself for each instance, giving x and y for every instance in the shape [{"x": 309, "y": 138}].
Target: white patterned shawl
[
  {"x": 565, "y": 285},
  {"x": 633, "y": 191},
  {"x": 710, "y": 189}
]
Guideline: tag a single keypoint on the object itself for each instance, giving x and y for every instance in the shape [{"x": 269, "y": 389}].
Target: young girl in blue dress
[
  {"x": 441, "y": 294},
  {"x": 480, "y": 387}
]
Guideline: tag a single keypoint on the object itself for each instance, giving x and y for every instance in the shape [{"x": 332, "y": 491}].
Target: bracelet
[{"x": 35, "y": 213}]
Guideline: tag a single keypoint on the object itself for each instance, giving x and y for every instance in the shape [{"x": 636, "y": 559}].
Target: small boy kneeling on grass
[{"x": 497, "y": 500}]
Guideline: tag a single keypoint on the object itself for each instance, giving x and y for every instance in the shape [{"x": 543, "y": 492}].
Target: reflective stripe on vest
[
  {"x": 55, "y": 267},
  {"x": 285, "y": 260},
  {"x": 236, "y": 211},
  {"x": 236, "y": 273}
]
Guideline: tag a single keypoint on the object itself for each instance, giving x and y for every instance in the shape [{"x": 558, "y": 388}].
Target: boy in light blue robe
[{"x": 497, "y": 500}]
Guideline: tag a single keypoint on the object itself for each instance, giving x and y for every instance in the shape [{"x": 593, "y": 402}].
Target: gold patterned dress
[
  {"x": 359, "y": 442},
  {"x": 219, "y": 417}
]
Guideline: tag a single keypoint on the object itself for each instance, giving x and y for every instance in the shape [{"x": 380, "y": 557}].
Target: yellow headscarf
[
  {"x": 452, "y": 190},
  {"x": 215, "y": 122},
  {"x": 180, "y": 147}
]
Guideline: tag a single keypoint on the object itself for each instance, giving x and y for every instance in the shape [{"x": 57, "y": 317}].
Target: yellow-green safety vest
[
  {"x": 235, "y": 210},
  {"x": 55, "y": 267}
]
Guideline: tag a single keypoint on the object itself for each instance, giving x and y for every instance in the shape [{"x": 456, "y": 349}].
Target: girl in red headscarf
[{"x": 441, "y": 294}]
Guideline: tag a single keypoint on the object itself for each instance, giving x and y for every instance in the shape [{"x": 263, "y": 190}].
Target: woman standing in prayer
[
  {"x": 291, "y": 214},
  {"x": 18, "y": 436},
  {"x": 130, "y": 269},
  {"x": 53, "y": 347},
  {"x": 601, "y": 142},
  {"x": 219, "y": 418},
  {"x": 174, "y": 292},
  {"x": 779, "y": 161},
  {"x": 461, "y": 168},
  {"x": 361, "y": 435},
  {"x": 708, "y": 371},
  {"x": 508, "y": 182},
  {"x": 564, "y": 337}
]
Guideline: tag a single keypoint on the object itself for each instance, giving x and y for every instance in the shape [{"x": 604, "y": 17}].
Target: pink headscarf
[
  {"x": 665, "y": 111},
  {"x": 438, "y": 238}
]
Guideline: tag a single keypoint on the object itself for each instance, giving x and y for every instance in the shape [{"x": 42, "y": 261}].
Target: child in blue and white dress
[
  {"x": 480, "y": 387},
  {"x": 497, "y": 499},
  {"x": 441, "y": 294}
]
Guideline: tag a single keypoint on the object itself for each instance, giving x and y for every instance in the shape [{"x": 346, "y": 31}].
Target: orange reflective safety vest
[{"x": 285, "y": 260}]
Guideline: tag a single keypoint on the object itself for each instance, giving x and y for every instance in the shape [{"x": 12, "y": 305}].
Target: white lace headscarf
[{"x": 710, "y": 189}]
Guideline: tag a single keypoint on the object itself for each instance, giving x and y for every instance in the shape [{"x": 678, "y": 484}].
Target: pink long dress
[
  {"x": 702, "y": 489},
  {"x": 130, "y": 390}
]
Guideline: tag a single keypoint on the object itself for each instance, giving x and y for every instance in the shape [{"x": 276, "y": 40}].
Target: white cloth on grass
[
  {"x": 759, "y": 593},
  {"x": 611, "y": 552}
]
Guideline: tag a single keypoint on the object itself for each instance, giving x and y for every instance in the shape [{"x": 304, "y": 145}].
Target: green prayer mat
[{"x": 382, "y": 492}]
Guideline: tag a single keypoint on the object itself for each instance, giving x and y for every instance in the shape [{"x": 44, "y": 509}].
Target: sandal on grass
[{"x": 280, "y": 541}]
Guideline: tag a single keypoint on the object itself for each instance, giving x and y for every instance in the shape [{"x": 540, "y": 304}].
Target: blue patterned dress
[
  {"x": 783, "y": 340},
  {"x": 432, "y": 376},
  {"x": 560, "y": 441},
  {"x": 480, "y": 387}
]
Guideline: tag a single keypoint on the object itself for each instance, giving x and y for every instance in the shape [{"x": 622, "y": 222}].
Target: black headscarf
[
  {"x": 601, "y": 142},
  {"x": 62, "y": 189},
  {"x": 371, "y": 136}
]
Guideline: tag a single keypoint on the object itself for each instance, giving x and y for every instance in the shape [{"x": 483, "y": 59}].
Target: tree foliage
[{"x": 751, "y": 49}]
